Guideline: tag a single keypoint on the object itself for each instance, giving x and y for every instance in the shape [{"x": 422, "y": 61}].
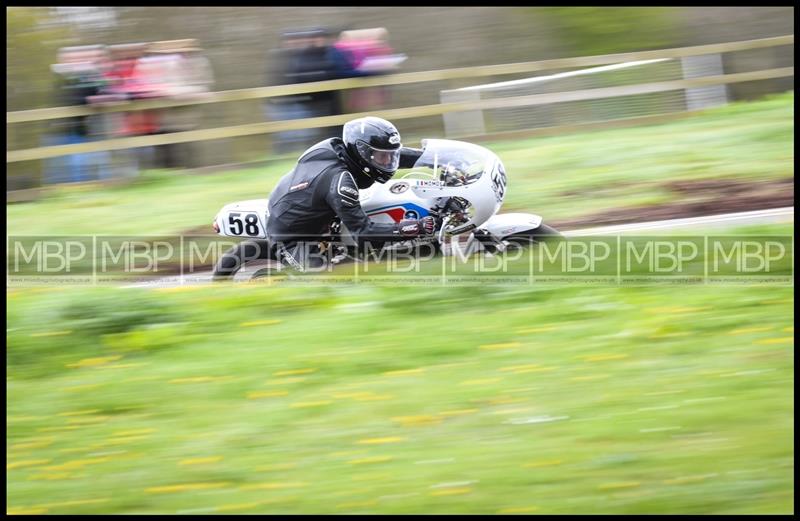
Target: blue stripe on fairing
[{"x": 408, "y": 206}]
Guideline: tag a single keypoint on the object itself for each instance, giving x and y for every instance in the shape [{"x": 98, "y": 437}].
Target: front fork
[{"x": 487, "y": 240}]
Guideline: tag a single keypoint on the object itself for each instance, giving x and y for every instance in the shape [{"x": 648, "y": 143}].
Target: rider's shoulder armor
[{"x": 298, "y": 201}]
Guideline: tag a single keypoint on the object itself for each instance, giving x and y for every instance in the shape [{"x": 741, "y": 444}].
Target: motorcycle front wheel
[{"x": 520, "y": 240}]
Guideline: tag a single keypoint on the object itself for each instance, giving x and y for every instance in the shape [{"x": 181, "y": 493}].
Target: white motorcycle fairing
[
  {"x": 503, "y": 225},
  {"x": 447, "y": 171}
]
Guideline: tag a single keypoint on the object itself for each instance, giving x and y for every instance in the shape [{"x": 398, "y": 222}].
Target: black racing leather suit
[{"x": 323, "y": 185}]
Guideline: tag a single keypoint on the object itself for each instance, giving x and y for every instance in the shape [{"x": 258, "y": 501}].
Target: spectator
[
  {"x": 198, "y": 80},
  {"x": 123, "y": 86},
  {"x": 131, "y": 83},
  {"x": 287, "y": 107},
  {"x": 79, "y": 78},
  {"x": 178, "y": 70},
  {"x": 157, "y": 74},
  {"x": 305, "y": 56},
  {"x": 369, "y": 54}
]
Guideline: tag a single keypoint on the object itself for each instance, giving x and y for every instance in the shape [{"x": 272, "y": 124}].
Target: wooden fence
[{"x": 394, "y": 114}]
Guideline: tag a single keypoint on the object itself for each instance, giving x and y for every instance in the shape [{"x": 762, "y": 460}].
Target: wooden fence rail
[{"x": 400, "y": 113}]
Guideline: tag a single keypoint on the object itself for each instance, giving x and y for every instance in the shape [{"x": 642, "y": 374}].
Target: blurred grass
[
  {"x": 542, "y": 399},
  {"x": 611, "y": 169},
  {"x": 623, "y": 167},
  {"x": 400, "y": 400}
]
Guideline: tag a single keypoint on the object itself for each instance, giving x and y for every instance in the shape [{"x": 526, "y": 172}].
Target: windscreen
[{"x": 455, "y": 163}]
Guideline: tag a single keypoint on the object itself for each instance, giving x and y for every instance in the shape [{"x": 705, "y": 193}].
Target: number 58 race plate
[
  {"x": 244, "y": 223},
  {"x": 245, "y": 219}
]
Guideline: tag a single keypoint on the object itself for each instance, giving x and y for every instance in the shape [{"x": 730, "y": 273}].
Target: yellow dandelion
[
  {"x": 414, "y": 421},
  {"x": 237, "y": 506},
  {"x": 27, "y": 463},
  {"x": 134, "y": 432},
  {"x": 200, "y": 461},
  {"x": 300, "y": 405},
  {"x": 604, "y": 357},
  {"x": 746, "y": 330},
  {"x": 370, "y": 460},
  {"x": 404, "y": 372},
  {"x": 52, "y": 333},
  {"x": 622, "y": 484},
  {"x": 507, "y": 345},
  {"x": 79, "y": 413},
  {"x": 168, "y": 489},
  {"x": 294, "y": 372},
  {"x": 94, "y": 362},
  {"x": 273, "y": 486},
  {"x": 380, "y": 441},
  {"x": 770, "y": 341},
  {"x": 459, "y": 412},
  {"x": 542, "y": 329},
  {"x": 260, "y": 323}
]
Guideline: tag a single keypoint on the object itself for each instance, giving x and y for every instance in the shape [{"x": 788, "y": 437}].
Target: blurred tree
[
  {"x": 32, "y": 43},
  {"x": 605, "y": 30},
  {"x": 31, "y": 46}
]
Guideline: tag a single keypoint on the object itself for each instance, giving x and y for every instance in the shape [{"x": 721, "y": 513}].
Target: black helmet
[{"x": 374, "y": 145}]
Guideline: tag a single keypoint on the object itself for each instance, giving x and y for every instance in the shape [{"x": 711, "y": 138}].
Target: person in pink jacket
[{"x": 368, "y": 53}]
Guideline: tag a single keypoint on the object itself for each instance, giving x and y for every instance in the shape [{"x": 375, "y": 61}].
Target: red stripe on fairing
[{"x": 396, "y": 214}]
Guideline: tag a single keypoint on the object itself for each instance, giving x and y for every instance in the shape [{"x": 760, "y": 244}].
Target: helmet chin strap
[
  {"x": 362, "y": 174},
  {"x": 369, "y": 174},
  {"x": 352, "y": 164}
]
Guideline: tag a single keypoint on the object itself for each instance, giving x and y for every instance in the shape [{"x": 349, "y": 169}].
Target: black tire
[
  {"x": 521, "y": 240},
  {"x": 273, "y": 273},
  {"x": 540, "y": 234},
  {"x": 231, "y": 261}
]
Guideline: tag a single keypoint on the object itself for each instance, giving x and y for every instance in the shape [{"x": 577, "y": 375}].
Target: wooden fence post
[{"x": 698, "y": 98}]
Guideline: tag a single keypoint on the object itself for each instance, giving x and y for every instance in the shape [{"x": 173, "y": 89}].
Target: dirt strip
[{"x": 697, "y": 198}]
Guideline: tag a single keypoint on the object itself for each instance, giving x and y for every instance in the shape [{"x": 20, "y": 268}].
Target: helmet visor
[{"x": 385, "y": 160}]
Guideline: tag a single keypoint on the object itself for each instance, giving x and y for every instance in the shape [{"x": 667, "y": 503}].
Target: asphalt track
[{"x": 706, "y": 223}]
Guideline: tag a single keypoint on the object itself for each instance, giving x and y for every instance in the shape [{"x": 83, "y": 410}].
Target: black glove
[
  {"x": 428, "y": 225},
  {"x": 412, "y": 228}
]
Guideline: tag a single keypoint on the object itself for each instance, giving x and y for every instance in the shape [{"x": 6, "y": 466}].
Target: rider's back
[{"x": 297, "y": 205}]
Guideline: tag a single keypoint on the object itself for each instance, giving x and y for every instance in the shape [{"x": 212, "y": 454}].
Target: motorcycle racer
[{"x": 324, "y": 186}]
